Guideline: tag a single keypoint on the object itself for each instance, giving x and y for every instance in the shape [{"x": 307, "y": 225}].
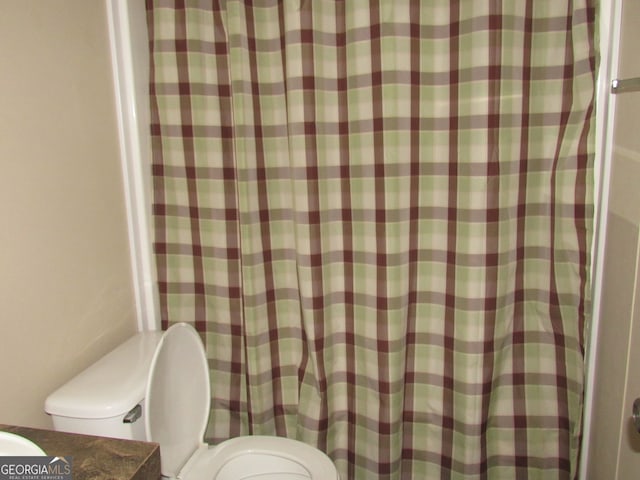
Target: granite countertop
[{"x": 97, "y": 458}]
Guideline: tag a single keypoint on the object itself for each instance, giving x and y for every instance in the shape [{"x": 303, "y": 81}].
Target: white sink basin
[{"x": 12, "y": 445}]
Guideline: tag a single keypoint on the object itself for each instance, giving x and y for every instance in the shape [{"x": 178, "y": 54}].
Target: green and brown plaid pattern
[{"x": 378, "y": 215}]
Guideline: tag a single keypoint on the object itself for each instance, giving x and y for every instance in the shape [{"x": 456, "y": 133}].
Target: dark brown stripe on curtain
[
  {"x": 347, "y": 232},
  {"x": 182, "y": 58},
  {"x": 519, "y": 334},
  {"x": 236, "y": 368},
  {"x": 382, "y": 313},
  {"x": 446, "y": 454},
  {"x": 492, "y": 221},
  {"x": 314, "y": 210},
  {"x": 265, "y": 231},
  {"x": 408, "y": 416}
]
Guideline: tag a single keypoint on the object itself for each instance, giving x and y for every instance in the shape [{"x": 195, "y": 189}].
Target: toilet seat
[
  {"x": 259, "y": 457},
  {"x": 176, "y": 412}
]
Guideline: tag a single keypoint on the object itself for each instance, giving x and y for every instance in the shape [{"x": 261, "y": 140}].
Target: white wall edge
[
  {"x": 610, "y": 16},
  {"x": 133, "y": 172}
]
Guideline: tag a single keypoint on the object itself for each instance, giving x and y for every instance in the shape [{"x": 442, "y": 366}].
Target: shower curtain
[{"x": 378, "y": 216}]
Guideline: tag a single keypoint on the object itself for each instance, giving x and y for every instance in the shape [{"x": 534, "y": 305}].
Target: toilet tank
[{"x": 107, "y": 398}]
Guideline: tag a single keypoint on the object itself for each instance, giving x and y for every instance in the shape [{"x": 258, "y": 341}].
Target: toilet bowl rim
[{"x": 316, "y": 462}]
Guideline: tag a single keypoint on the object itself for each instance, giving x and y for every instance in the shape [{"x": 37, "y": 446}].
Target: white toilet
[{"x": 168, "y": 391}]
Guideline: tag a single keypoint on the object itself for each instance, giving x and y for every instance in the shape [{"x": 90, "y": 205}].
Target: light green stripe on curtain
[{"x": 378, "y": 215}]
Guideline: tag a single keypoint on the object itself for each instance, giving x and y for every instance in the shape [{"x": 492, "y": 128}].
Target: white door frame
[
  {"x": 609, "y": 36},
  {"x": 130, "y": 63}
]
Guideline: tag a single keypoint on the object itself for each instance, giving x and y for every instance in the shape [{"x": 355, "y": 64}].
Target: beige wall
[
  {"x": 614, "y": 445},
  {"x": 65, "y": 289}
]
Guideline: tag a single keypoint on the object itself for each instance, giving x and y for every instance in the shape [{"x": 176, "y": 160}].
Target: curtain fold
[{"x": 378, "y": 216}]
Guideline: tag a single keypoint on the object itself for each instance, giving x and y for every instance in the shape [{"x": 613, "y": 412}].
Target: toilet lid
[{"x": 178, "y": 397}]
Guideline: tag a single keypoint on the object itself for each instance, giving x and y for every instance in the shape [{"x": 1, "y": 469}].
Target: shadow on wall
[{"x": 632, "y": 436}]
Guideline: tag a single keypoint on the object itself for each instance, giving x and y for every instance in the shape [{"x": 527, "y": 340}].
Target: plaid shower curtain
[{"x": 378, "y": 215}]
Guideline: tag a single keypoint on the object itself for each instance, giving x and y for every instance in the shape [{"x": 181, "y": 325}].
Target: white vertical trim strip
[
  {"x": 133, "y": 166},
  {"x": 610, "y": 16}
]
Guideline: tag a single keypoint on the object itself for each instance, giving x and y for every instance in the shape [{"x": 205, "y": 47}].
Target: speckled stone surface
[{"x": 97, "y": 458}]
